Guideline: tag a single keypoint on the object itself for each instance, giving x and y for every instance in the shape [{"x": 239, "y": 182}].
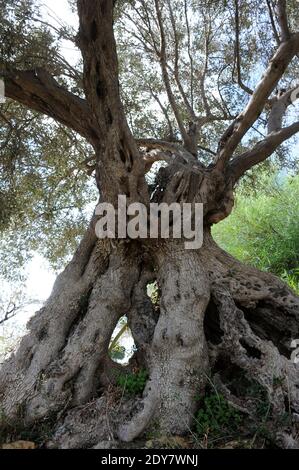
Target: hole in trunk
[
  {"x": 154, "y": 294},
  {"x": 236, "y": 380},
  {"x": 122, "y": 346},
  {"x": 273, "y": 324},
  {"x": 213, "y": 332},
  {"x": 251, "y": 350},
  {"x": 231, "y": 375}
]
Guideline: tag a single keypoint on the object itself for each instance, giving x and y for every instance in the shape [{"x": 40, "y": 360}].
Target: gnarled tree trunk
[{"x": 215, "y": 316}]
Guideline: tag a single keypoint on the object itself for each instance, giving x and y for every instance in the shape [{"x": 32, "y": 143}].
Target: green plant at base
[
  {"x": 292, "y": 278},
  {"x": 216, "y": 417},
  {"x": 133, "y": 383}
]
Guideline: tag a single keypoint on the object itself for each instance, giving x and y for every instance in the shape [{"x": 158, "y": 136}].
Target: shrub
[
  {"x": 263, "y": 229},
  {"x": 216, "y": 417}
]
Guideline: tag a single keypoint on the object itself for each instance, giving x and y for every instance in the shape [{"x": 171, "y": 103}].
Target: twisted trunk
[
  {"x": 216, "y": 316},
  {"x": 178, "y": 359}
]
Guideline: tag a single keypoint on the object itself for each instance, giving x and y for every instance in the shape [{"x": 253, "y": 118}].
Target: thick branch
[
  {"x": 262, "y": 150},
  {"x": 244, "y": 121},
  {"x": 120, "y": 168},
  {"x": 279, "y": 105},
  {"x": 38, "y": 90},
  {"x": 173, "y": 147}
]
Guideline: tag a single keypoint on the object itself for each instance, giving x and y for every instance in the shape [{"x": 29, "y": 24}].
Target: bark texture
[
  {"x": 217, "y": 320},
  {"x": 178, "y": 360}
]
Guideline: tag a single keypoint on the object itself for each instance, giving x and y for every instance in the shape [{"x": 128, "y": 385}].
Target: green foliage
[
  {"x": 216, "y": 417},
  {"x": 133, "y": 383},
  {"x": 117, "y": 353},
  {"x": 259, "y": 395},
  {"x": 116, "y": 350},
  {"x": 262, "y": 424},
  {"x": 44, "y": 187},
  {"x": 44, "y": 191},
  {"x": 263, "y": 229},
  {"x": 291, "y": 277}
]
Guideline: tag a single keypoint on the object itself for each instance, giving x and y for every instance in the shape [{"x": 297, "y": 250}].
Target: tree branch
[
  {"x": 261, "y": 151},
  {"x": 164, "y": 111},
  {"x": 165, "y": 76},
  {"x": 173, "y": 147},
  {"x": 235, "y": 132},
  {"x": 279, "y": 105},
  {"x": 283, "y": 20},
  {"x": 276, "y": 35},
  {"x": 38, "y": 90},
  {"x": 237, "y": 50},
  {"x": 176, "y": 62},
  {"x": 9, "y": 313},
  {"x": 189, "y": 53},
  {"x": 205, "y": 69}
]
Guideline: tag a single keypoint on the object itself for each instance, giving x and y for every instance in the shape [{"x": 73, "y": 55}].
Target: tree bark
[
  {"x": 178, "y": 361},
  {"x": 215, "y": 315},
  {"x": 58, "y": 362}
]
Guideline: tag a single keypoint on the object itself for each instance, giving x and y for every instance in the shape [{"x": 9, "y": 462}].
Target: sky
[{"x": 38, "y": 286}]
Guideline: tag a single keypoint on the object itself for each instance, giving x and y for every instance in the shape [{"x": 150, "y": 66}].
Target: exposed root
[
  {"x": 74, "y": 376},
  {"x": 82, "y": 427},
  {"x": 20, "y": 375},
  {"x": 58, "y": 362},
  {"x": 254, "y": 319},
  {"x": 259, "y": 358},
  {"x": 97, "y": 421}
]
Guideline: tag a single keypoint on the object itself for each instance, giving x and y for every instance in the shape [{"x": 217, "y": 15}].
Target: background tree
[{"x": 174, "y": 92}]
